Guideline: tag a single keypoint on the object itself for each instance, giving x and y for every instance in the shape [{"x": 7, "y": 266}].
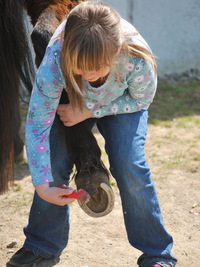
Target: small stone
[{"x": 13, "y": 244}]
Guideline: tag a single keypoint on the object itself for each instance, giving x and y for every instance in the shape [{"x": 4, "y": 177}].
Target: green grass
[
  {"x": 176, "y": 103},
  {"x": 23, "y": 110}
]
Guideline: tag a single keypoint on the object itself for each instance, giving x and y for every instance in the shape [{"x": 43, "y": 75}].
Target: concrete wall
[{"x": 171, "y": 27}]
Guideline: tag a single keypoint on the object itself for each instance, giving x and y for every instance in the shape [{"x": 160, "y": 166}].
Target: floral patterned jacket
[{"x": 131, "y": 90}]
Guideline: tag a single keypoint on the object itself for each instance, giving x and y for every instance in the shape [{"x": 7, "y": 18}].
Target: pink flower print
[
  {"x": 110, "y": 93},
  {"x": 47, "y": 104},
  {"x": 139, "y": 79},
  {"x": 34, "y": 162},
  {"x": 55, "y": 82},
  {"x": 130, "y": 66},
  {"x": 102, "y": 101},
  {"x": 42, "y": 137},
  {"x": 45, "y": 169},
  {"x": 89, "y": 105},
  {"x": 41, "y": 148},
  {"x": 140, "y": 104},
  {"x": 138, "y": 95},
  {"x": 52, "y": 112},
  {"x": 58, "y": 92},
  {"x": 48, "y": 121},
  {"x": 98, "y": 92},
  {"x": 114, "y": 108},
  {"x": 46, "y": 180}
]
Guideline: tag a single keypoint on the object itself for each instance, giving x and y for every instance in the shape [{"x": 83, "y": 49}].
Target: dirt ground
[{"x": 102, "y": 242}]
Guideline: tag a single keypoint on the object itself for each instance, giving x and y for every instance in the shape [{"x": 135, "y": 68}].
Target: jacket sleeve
[
  {"x": 141, "y": 83},
  {"x": 44, "y": 100}
]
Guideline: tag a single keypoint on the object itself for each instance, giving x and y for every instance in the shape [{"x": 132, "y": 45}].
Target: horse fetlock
[{"x": 84, "y": 179}]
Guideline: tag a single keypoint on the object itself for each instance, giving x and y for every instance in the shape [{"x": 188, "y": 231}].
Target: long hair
[
  {"x": 16, "y": 71},
  {"x": 93, "y": 35}
]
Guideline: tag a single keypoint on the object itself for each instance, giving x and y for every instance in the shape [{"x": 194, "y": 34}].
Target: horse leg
[
  {"x": 45, "y": 18},
  {"x": 42, "y": 32},
  {"x": 91, "y": 173}
]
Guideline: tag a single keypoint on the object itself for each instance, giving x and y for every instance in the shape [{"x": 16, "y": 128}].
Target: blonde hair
[{"x": 92, "y": 38}]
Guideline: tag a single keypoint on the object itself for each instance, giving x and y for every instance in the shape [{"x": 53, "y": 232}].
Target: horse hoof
[
  {"x": 102, "y": 197},
  {"x": 101, "y": 203}
]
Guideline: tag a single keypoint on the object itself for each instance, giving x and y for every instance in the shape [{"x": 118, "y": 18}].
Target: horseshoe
[{"x": 101, "y": 202}]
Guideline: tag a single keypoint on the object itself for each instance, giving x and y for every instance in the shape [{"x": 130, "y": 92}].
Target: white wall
[{"x": 171, "y": 27}]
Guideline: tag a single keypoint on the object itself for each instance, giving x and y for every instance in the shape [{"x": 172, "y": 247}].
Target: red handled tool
[{"x": 79, "y": 195}]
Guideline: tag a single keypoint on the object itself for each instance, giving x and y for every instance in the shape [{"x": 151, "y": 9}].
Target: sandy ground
[{"x": 102, "y": 242}]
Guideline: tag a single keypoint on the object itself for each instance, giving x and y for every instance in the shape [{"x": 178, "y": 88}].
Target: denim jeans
[{"x": 125, "y": 137}]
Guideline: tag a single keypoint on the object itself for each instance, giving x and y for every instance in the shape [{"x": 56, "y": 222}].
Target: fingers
[
  {"x": 64, "y": 186},
  {"x": 62, "y": 200},
  {"x": 62, "y": 118},
  {"x": 70, "y": 116},
  {"x": 65, "y": 190},
  {"x": 67, "y": 122},
  {"x": 65, "y": 114},
  {"x": 62, "y": 107},
  {"x": 54, "y": 195}
]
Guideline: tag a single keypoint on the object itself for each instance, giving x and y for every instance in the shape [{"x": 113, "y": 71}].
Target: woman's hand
[
  {"x": 71, "y": 116},
  {"x": 55, "y": 195}
]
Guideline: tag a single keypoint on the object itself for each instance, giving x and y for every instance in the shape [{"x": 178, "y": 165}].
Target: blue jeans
[{"x": 125, "y": 137}]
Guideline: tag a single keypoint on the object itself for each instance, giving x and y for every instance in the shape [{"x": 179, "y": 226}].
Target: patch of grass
[
  {"x": 179, "y": 103},
  {"x": 17, "y": 187},
  {"x": 23, "y": 111}
]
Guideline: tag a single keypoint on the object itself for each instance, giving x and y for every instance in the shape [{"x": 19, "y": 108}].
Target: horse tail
[{"x": 16, "y": 72}]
